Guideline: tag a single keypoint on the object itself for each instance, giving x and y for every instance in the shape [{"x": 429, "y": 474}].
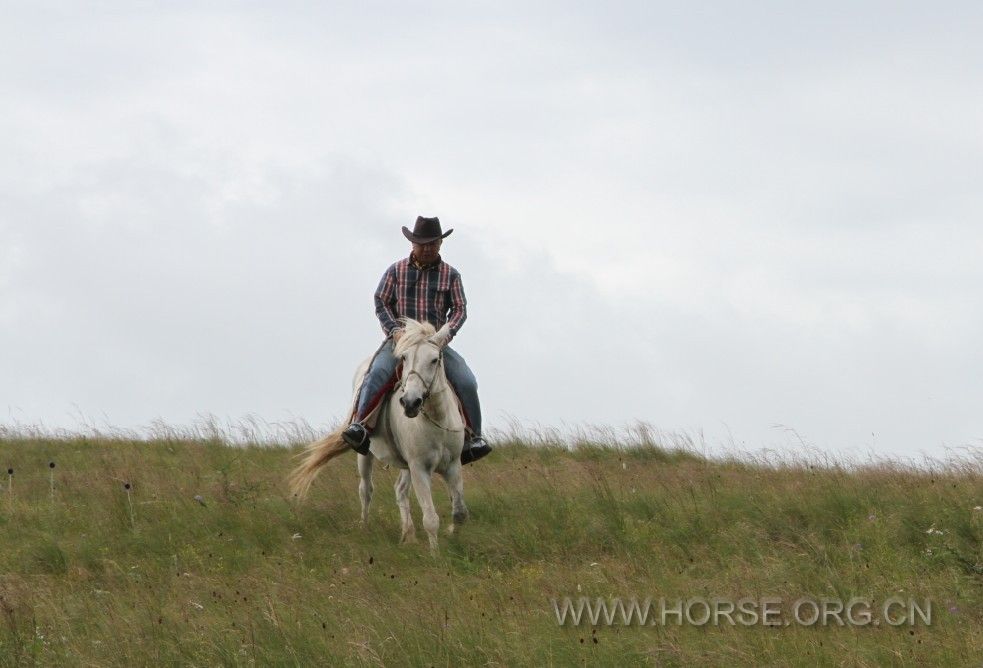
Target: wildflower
[
  {"x": 872, "y": 517},
  {"x": 932, "y": 531}
]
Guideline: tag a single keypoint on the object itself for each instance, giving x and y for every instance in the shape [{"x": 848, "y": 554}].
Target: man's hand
[
  {"x": 397, "y": 335},
  {"x": 442, "y": 337}
]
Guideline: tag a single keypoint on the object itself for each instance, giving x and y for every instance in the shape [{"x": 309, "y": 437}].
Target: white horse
[{"x": 419, "y": 430}]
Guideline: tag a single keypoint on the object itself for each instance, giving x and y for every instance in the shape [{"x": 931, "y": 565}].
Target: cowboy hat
[{"x": 425, "y": 230}]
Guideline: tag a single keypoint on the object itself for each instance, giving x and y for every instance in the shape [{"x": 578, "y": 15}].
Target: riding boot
[
  {"x": 357, "y": 436},
  {"x": 474, "y": 449}
]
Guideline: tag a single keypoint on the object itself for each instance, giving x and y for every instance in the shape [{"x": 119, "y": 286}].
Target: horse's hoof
[
  {"x": 407, "y": 539},
  {"x": 450, "y": 530}
]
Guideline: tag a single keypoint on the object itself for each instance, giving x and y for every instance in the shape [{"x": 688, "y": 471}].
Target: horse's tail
[{"x": 318, "y": 454}]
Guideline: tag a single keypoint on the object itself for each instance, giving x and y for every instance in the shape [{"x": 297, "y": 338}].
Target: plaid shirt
[{"x": 433, "y": 294}]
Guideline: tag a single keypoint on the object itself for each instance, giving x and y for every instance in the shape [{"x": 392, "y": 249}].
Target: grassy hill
[{"x": 93, "y": 573}]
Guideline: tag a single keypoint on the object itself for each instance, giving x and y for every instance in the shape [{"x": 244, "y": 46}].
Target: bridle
[{"x": 427, "y": 386}]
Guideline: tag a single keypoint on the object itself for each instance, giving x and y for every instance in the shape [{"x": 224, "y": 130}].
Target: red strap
[{"x": 383, "y": 391}]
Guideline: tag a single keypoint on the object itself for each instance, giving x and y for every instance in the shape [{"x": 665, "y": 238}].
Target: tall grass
[{"x": 244, "y": 575}]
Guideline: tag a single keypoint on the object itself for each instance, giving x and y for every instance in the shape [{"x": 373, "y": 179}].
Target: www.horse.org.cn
[{"x": 747, "y": 611}]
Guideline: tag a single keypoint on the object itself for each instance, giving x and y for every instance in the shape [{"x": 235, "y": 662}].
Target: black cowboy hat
[{"x": 425, "y": 231}]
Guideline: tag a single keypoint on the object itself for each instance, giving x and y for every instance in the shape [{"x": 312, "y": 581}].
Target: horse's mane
[{"x": 414, "y": 333}]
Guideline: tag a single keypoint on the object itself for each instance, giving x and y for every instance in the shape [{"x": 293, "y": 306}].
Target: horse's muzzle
[{"x": 412, "y": 407}]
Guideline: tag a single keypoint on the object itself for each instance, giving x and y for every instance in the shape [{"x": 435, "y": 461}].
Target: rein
[{"x": 424, "y": 413}]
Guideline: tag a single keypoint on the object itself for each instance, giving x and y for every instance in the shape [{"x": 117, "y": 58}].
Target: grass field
[{"x": 95, "y": 574}]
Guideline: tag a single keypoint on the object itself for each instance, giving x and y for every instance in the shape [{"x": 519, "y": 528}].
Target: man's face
[{"x": 427, "y": 253}]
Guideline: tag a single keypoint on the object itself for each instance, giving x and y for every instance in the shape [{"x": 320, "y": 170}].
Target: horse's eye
[{"x": 433, "y": 361}]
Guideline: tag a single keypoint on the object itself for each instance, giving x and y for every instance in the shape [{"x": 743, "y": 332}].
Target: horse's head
[{"x": 421, "y": 349}]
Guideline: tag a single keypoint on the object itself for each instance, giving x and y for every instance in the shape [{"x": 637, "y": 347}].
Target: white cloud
[{"x": 732, "y": 215}]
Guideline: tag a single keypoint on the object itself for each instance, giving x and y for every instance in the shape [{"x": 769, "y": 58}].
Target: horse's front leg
[
  {"x": 402, "y": 487},
  {"x": 365, "y": 484},
  {"x": 455, "y": 483},
  {"x": 424, "y": 496}
]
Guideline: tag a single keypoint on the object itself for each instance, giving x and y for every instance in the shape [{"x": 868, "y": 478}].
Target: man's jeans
[{"x": 384, "y": 365}]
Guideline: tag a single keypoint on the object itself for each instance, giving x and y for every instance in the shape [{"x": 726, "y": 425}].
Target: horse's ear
[{"x": 440, "y": 338}]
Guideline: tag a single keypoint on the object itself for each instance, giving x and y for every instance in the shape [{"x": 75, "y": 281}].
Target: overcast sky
[{"x": 712, "y": 217}]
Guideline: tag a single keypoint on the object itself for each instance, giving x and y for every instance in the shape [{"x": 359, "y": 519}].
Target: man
[{"x": 425, "y": 288}]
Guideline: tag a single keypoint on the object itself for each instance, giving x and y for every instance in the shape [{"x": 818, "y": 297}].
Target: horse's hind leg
[
  {"x": 424, "y": 496},
  {"x": 402, "y": 486},
  {"x": 455, "y": 483},
  {"x": 365, "y": 484}
]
